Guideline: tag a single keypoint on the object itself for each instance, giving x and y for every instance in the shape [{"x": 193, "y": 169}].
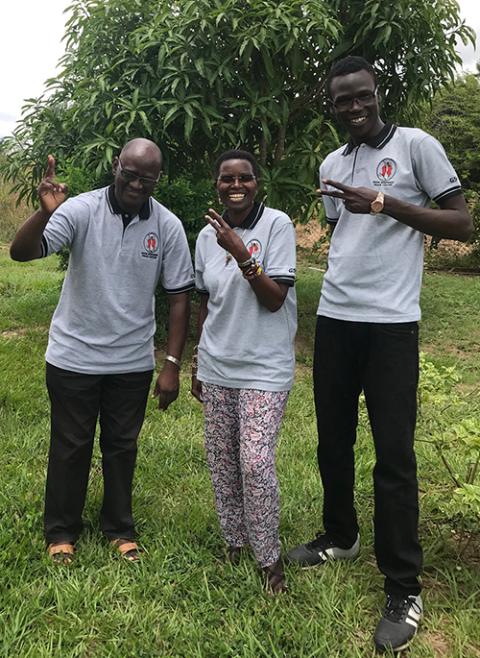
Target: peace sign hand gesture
[
  {"x": 50, "y": 193},
  {"x": 226, "y": 236},
  {"x": 356, "y": 199}
]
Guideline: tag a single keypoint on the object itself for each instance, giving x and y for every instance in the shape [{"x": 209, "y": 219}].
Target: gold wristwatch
[{"x": 377, "y": 204}]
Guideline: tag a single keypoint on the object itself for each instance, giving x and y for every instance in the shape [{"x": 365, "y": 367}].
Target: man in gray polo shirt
[
  {"x": 100, "y": 351},
  {"x": 376, "y": 192}
]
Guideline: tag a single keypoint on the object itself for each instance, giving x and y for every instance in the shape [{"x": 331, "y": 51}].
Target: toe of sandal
[
  {"x": 126, "y": 549},
  {"x": 61, "y": 553}
]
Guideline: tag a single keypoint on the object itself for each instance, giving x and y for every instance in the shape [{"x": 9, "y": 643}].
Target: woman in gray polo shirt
[{"x": 245, "y": 273}]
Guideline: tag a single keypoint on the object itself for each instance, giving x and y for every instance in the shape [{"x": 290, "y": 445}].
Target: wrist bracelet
[
  {"x": 253, "y": 273},
  {"x": 247, "y": 263},
  {"x": 173, "y": 359}
]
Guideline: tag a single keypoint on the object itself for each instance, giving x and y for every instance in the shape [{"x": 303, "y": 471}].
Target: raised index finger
[
  {"x": 218, "y": 218},
  {"x": 334, "y": 183},
  {"x": 50, "y": 173},
  {"x": 334, "y": 193}
]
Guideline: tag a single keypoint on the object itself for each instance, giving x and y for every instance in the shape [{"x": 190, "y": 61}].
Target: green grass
[{"x": 183, "y": 600}]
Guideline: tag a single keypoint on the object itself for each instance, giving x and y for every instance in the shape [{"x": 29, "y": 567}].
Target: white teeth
[
  {"x": 236, "y": 197},
  {"x": 358, "y": 120}
]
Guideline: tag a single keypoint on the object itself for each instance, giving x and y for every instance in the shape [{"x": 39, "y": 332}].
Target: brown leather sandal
[
  {"x": 275, "y": 578},
  {"x": 61, "y": 553},
  {"x": 127, "y": 549}
]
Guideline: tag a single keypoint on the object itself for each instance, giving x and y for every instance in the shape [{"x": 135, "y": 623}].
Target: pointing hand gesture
[
  {"x": 356, "y": 199},
  {"x": 50, "y": 193}
]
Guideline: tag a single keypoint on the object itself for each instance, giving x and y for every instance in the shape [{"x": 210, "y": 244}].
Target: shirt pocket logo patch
[
  {"x": 150, "y": 245},
  {"x": 254, "y": 248}
]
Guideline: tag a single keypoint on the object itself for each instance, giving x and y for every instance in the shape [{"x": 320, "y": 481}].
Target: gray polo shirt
[
  {"x": 243, "y": 344},
  {"x": 104, "y": 321},
  {"x": 375, "y": 262}
]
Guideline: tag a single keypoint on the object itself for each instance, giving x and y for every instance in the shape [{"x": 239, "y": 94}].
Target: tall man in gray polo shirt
[
  {"x": 376, "y": 192},
  {"x": 100, "y": 350}
]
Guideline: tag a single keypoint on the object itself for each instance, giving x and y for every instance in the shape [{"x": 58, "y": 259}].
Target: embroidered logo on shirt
[
  {"x": 386, "y": 170},
  {"x": 254, "y": 248},
  {"x": 150, "y": 244}
]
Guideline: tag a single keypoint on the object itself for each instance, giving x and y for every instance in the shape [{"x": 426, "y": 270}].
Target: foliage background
[
  {"x": 454, "y": 118},
  {"x": 201, "y": 76}
]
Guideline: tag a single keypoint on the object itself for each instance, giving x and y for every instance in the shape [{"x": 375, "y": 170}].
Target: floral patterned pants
[{"x": 241, "y": 428}]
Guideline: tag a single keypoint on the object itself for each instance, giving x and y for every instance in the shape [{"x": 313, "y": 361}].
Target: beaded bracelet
[
  {"x": 253, "y": 273},
  {"x": 247, "y": 263}
]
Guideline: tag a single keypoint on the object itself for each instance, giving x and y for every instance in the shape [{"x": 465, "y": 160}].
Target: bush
[{"x": 450, "y": 423}]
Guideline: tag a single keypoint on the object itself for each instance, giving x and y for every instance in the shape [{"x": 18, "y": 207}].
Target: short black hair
[
  {"x": 350, "y": 64},
  {"x": 236, "y": 154}
]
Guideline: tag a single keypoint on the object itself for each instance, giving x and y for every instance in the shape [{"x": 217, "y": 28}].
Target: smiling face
[
  {"x": 237, "y": 187},
  {"x": 355, "y": 104}
]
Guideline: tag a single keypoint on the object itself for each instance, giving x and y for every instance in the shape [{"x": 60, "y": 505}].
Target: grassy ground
[{"x": 183, "y": 600}]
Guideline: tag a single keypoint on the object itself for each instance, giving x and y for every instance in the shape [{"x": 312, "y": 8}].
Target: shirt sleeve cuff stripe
[
  {"x": 175, "y": 291},
  {"x": 44, "y": 247},
  {"x": 332, "y": 221},
  {"x": 282, "y": 279},
  {"x": 448, "y": 193}
]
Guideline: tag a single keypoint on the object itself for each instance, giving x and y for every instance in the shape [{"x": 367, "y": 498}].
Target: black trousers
[
  {"x": 381, "y": 360},
  {"x": 77, "y": 401}
]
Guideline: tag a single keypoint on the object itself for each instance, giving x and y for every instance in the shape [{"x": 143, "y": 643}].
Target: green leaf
[{"x": 188, "y": 126}]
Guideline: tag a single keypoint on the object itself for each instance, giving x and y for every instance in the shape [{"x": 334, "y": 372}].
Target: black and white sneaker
[
  {"x": 320, "y": 550},
  {"x": 399, "y": 622}
]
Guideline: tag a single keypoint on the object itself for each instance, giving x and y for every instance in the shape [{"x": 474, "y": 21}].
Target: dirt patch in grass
[
  {"x": 17, "y": 333},
  {"x": 312, "y": 234},
  {"x": 438, "y": 643},
  {"x": 447, "y": 348},
  {"x": 449, "y": 248},
  {"x": 21, "y": 332},
  {"x": 467, "y": 546}
]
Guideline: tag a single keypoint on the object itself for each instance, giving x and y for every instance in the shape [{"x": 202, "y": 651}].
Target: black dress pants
[
  {"x": 77, "y": 401},
  {"x": 381, "y": 360}
]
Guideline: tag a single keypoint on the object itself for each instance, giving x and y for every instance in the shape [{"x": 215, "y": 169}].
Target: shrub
[{"x": 450, "y": 423}]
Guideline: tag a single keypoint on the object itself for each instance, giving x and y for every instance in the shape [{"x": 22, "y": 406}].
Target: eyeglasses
[
  {"x": 243, "y": 178},
  {"x": 362, "y": 99},
  {"x": 130, "y": 177}
]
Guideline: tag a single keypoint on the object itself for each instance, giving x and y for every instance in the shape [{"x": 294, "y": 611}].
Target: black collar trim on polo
[
  {"x": 251, "y": 220},
  {"x": 377, "y": 142},
  {"x": 144, "y": 213}
]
